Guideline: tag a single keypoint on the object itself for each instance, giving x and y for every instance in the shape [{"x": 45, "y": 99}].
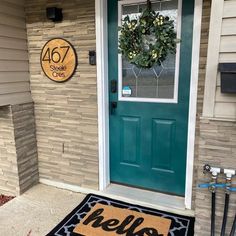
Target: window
[{"x": 160, "y": 83}]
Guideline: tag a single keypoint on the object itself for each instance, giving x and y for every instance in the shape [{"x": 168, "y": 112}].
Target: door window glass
[{"x": 160, "y": 83}]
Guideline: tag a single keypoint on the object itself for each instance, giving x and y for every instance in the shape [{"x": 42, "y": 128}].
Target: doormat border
[{"x": 186, "y": 223}]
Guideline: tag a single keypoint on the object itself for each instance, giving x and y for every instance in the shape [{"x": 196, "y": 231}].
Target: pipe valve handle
[{"x": 206, "y": 168}]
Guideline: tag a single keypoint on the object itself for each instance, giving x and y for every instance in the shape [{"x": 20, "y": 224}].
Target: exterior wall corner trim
[{"x": 213, "y": 57}]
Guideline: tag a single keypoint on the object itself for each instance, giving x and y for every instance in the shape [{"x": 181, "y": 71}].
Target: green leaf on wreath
[{"x": 148, "y": 40}]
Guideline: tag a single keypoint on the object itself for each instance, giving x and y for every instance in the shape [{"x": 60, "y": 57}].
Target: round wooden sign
[{"x": 58, "y": 60}]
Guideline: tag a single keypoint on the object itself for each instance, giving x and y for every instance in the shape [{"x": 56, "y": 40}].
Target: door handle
[{"x": 113, "y": 108}]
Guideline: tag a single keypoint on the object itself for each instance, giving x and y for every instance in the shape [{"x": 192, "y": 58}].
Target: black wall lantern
[
  {"x": 54, "y": 14},
  {"x": 228, "y": 77}
]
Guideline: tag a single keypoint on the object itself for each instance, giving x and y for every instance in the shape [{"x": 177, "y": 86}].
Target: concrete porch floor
[{"x": 37, "y": 211}]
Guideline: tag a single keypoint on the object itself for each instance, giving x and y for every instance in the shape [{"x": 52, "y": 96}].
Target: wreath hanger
[{"x": 149, "y": 5}]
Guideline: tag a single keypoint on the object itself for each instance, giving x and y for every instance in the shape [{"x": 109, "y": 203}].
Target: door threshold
[{"x": 160, "y": 201}]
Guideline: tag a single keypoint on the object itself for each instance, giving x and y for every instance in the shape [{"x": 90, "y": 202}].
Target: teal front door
[{"x": 149, "y": 108}]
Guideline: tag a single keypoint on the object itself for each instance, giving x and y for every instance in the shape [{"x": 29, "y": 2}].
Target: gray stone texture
[
  {"x": 66, "y": 113},
  {"x": 26, "y": 145},
  {"x": 18, "y": 149},
  {"x": 217, "y": 147}
]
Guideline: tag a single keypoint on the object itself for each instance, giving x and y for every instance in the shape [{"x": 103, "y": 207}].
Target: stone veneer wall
[
  {"x": 66, "y": 113},
  {"x": 26, "y": 145},
  {"x": 18, "y": 149},
  {"x": 8, "y": 167},
  {"x": 218, "y": 148}
]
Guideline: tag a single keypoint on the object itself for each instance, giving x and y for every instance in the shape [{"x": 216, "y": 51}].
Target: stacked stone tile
[
  {"x": 66, "y": 113},
  {"x": 26, "y": 146},
  {"x": 8, "y": 165},
  {"x": 218, "y": 148},
  {"x": 18, "y": 150}
]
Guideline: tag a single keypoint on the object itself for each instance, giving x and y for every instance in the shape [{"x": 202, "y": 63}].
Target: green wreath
[{"x": 148, "y": 40}]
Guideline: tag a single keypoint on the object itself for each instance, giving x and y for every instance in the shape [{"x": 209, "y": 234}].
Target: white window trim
[
  {"x": 177, "y": 61},
  {"x": 103, "y": 94}
]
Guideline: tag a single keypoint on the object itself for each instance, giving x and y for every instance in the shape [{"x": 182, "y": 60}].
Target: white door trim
[
  {"x": 197, "y": 22},
  {"x": 103, "y": 95}
]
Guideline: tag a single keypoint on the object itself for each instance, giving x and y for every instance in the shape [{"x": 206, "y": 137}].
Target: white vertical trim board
[
  {"x": 102, "y": 90},
  {"x": 193, "y": 101},
  {"x": 217, "y": 9}
]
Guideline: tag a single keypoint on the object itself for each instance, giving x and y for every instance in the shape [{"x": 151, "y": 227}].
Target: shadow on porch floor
[{"x": 37, "y": 211}]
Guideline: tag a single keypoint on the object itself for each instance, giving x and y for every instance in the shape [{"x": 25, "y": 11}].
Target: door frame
[{"x": 103, "y": 96}]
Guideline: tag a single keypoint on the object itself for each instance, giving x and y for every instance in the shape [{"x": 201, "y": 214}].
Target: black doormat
[{"x": 84, "y": 214}]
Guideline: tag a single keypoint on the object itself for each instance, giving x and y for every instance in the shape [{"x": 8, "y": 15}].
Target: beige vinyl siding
[
  {"x": 229, "y": 9},
  {"x": 14, "y": 61},
  {"x": 225, "y": 104},
  {"x": 217, "y": 104}
]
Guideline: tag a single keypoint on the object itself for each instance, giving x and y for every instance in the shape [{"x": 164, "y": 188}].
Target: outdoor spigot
[
  {"x": 214, "y": 173},
  {"x": 214, "y": 170},
  {"x": 229, "y": 174}
]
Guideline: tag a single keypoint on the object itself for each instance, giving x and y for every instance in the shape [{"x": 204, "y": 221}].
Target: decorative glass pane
[{"x": 158, "y": 82}]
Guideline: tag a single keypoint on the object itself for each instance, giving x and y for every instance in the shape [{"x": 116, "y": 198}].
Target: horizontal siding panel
[
  {"x": 229, "y": 9},
  {"x": 13, "y": 77},
  {"x": 14, "y": 2},
  {"x": 228, "y": 44},
  {"x": 229, "y": 26},
  {"x": 224, "y": 97},
  {"x": 228, "y": 57},
  {"x": 13, "y": 43},
  {"x": 12, "y": 21},
  {"x": 12, "y": 10},
  {"x": 223, "y": 110},
  {"x": 17, "y": 98},
  {"x": 11, "y": 32},
  {"x": 14, "y": 66},
  {"x": 9, "y": 88},
  {"x": 11, "y": 54}
]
